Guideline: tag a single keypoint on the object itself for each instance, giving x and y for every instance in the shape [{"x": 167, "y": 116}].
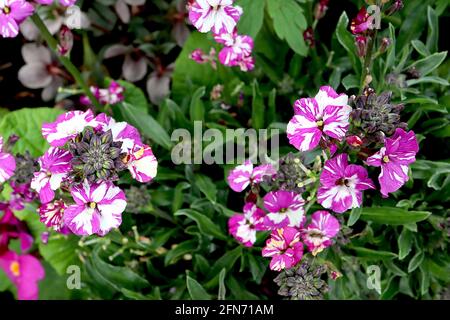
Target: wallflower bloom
[
  {"x": 142, "y": 163},
  {"x": 240, "y": 177},
  {"x": 236, "y": 48},
  {"x": 317, "y": 236},
  {"x": 285, "y": 209},
  {"x": 327, "y": 114},
  {"x": 284, "y": 247},
  {"x": 201, "y": 57},
  {"x": 97, "y": 210},
  {"x": 215, "y": 15},
  {"x": 52, "y": 215},
  {"x": 243, "y": 227},
  {"x": 341, "y": 184},
  {"x": 25, "y": 271},
  {"x": 12, "y": 14},
  {"x": 67, "y": 126},
  {"x": 111, "y": 95},
  {"x": 361, "y": 22},
  {"x": 55, "y": 167},
  {"x": 13, "y": 228},
  {"x": 398, "y": 152},
  {"x": 7, "y": 164}
]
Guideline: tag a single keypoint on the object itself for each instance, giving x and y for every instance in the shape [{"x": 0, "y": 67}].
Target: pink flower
[
  {"x": 97, "y": 210},
  {"x": 52, "y": 215},
  {"x": 67, "y": 126},
  {"x": 13, "y": 228},
  {"x": 215, "y": 15},
  {"x": 121, "y": 131},
  {"x": 317, "y": 236},
  {"x": 236, "y": 48},
  {"x": 246, "y": 64},
  {"x": 240, "y": 177},
  {"x": 354, "y": 141},
  {"x": 55, "y": 167},
  {"x": 65, "y": 3},
  {"x": 361, "y": 22},
  {"x": 284, "y": 247},
  {"x": 25, "y": 271},
  {"x": 325, "y": 115},
  {"x": 285, "y": 209},
  {"x": 243, "y": 227},
  {"x": 111, "y": 95},
  {"x": 12, "y": 14},
  {"x": 21, "y": 194},
  {"x": 341, "y": 184},
  {"x": 398, "y": 152},
  {"x": 142, "y": 163},
  {"x": 200, "y": 57},
  {"x": 7, "y": 164}
]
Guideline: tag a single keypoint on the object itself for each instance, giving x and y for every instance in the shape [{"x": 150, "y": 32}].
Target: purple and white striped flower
[
  {"x": 236, "y": 47},
  {"x": 243, "y": 227},
  {"x": 67, "y": 126},
  {"x": 317, "y": 236},
  {"x": 55, "y": 167},
  {"x": 398, "y": 152},
  {"x": 341, "y": 184},
  {"x": 284, "y": 247},
  {"x": 52, "y": 215},
  {"x": 245, "y": 174},
  {"x": 285, "y": 209},
  {"x": 325, "y": 115},
  {"x": 7, "y": 164},
  {"x": 97, "y": 210},
  {"x": 142, "y": 163},
  {"x": 121, "y": 131},
  {"x": 12, "y": 14},
  {"x": 214, "y": 15},
  {"x": 111, "y": 95}
]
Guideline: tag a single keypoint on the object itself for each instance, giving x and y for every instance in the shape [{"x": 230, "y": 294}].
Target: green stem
[{"x": 53, "y": 45}]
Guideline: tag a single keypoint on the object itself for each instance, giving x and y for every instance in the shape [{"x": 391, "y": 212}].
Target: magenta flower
[
  {"x": 285, "y": 209},
  {"x": 52, "y": 215},
  {"x": 142, "y": 163},
  {"x": 284, "y": 247},
  {"x": 246, "y": 64},
  {"x": 325, "y": 115},
  {"x": 236, "y": 48},
  {"x": 111, "y": 95},
  {"x": 67, "y": 126},
  {"x": 25, "y": 271},
  {"x": 243, "y": 175},
  {"x": 398, "y": 152},
  {"x": 13, "y": 228},
  {"x": 7, "y": 164},
  {"x": 361, "y": 22},
  {"x": 317, "y": 236},
  {"x": 341, "y": 184},
  {"x": 215, "y": 15},
  {"x": 21, "y": 194},
  {"x": 12, "y": 14},
  {"x": 55, "y": 167},
  {"x": 65, "y": 3},
  {"x": 243, "y": 227},
  {"x": 97, "y": 210},
  {"x": 354, "y": 141},
  {"x": 200, "y": 57}
]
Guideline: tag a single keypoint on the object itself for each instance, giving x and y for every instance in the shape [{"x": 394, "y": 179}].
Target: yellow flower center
[
  {"x": 15, "y": 268},
  {"x": 92, "y": 205},
  {"x": 319, "y": 123},
  {"x": 386, "y": 159},
  {"x": 6, "y": 10}
]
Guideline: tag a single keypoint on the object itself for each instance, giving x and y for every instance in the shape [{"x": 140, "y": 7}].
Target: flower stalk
[{"x": 53, "y": 45}]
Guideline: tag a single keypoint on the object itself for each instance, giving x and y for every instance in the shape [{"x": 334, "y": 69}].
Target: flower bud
[
  {"x": 354, "y": 141},
  {"x": 65, "y": 41},
  {"x": 361, "y": 45},
  {"x": 385, "y": 43}
]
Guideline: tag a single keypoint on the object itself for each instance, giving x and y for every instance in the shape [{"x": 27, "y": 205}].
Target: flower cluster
[
  {"x": 325, "y": 122},
  {"x": 221, "y": 17},
  {"x": 87, "y": 154}
]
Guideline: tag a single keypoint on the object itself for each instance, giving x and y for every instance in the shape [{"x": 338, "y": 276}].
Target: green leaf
[
  {"x": 134, "y": 95},
  {"x": 27, "y": 124},
  {"x": 371, "y": 254},
  {"x": 350, "y": 81},
  {"x": 252, "y": 19},
  {"x": 433, "y": 30},
  {"x": 420, "y": 47},
  {"x": 354, "y": 216},
  {"x": 180, "y": 250},
  {"x": 227, "y": 261},
  {"x": 431, "y": 79},
  {"x": 206, "y": 186},
  {"x": 413, "y": 25},
  {"x": 257, "y": 107},
  {"x": 415, "y": 261},
  {"x": 346, "y": 40},
  {"x": 197, "y": 108},
  {"x": 428, "y": 64},
  {"x": 146, "y": 124},
  {"x": 204, "y": 223},
  {"x": 196, "y": 291},
  {"x": 257, "y": 267},
  {"x": 392, "y": 216},
  {"x": 222, "y": 289},
  {"x": 289, "y": 23},
  {"x": 60, "y": 252},
  {"x": 390, "y": 55},
  {"x": 404, "y": 243}
]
